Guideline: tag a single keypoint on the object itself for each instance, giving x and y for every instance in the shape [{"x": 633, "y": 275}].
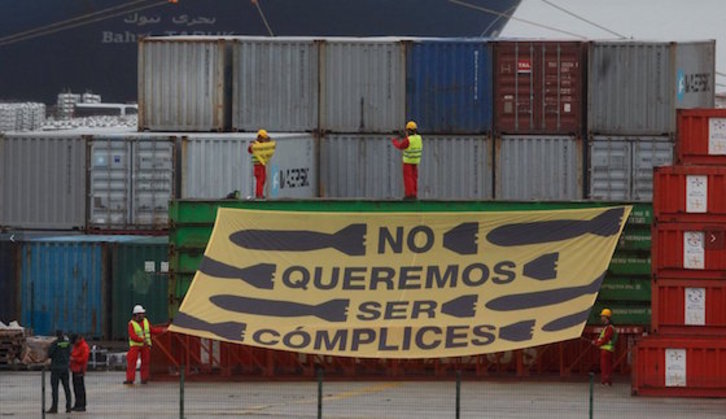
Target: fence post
[
  {"x": 181, "y": 391},
  {"x": 320, "y": 393},
  {"x": 42, "y": 392},
  {"x": 592, "y": 380},
  {"x": 458, "y": 394}
]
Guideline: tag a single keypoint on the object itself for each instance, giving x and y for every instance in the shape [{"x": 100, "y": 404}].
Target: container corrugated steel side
[
  {"x": 139, "y": 275},
  {"x": 182, "y": 84},
  {"x": 690, "y": 366},
  {"x": 539, "y": 86},
  {"x": 362, "y": 85},
  {"x": 701, "y": 136},
  {"x": 630, "y": 88},
  {"x": 275, "y": 83},
  {"x": 621, "y": 168},
  {"x": 368, "y": 166},
  {"x": 43, "y": 180},
  {"x": 213, "y": 165},
  {"x": 64, "y": 284},
  {"x": 635, "y": 87},
  {"x": 131, "y": 180},
  {"x": 449, "y": 86},
  {"x": 690, "y": 193},
  {"x": 9, "y": 280},
  {"x": 533, "y": 167},
  {"x": 689, "y": 307}
]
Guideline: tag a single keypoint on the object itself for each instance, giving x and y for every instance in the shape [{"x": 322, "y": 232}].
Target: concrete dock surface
[{"x": 20, "y": 397}]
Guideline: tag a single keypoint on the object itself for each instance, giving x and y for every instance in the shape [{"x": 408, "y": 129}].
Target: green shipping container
[
  {"x": 635, "y": 238},
  {"x": 140, "y": 275},
  {"x": 625, "y": 289},
  {"x": 630, "y": 264},
  {"x": 623, "y": 314}
]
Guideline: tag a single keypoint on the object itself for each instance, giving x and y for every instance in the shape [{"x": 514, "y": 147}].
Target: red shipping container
[
  {"x": 688, "y": 307},
  {"x": 689, "y": 193},
  {"x": 688, "y": 250},
  {"x": 539, "y": 87},
  {"x": 701, "y": 136},
  {"x": 679, "y": 366}
]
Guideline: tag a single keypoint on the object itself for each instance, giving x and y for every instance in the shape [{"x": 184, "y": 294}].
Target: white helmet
[{"x": 138, "y": 309}]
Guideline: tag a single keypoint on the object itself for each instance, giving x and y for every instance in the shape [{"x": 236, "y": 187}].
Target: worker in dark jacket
[
  {"x": 606, "y": 343},
  {"x": 60, "y": 356},
  {"x": 262, "y": 150},
  {"x": 79, "y": 363},
  {"x": 412, "y": 145}
]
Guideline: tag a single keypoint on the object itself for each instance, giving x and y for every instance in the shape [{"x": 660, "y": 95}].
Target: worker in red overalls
[
  {"x": 262, "y": 149},
  {"x": 140, "y": 332},
  {"x": 606, "y": 343},
  {"x": 412, "y": 145}
]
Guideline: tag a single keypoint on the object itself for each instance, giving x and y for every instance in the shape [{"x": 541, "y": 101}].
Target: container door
[
  {"x": 648, "y": 154},
  {"x": 610, "y": 169},
  {"x": 153, "y": 183},
  {"x": 109, "y": 184}
]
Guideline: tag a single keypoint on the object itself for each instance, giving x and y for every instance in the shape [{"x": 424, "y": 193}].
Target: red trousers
[
  {"x": 410, "y": 180},
  {"x": 131, "y": 355},
  {"x": 606, "y": 367},
  {"x": 260, "y": 177}
]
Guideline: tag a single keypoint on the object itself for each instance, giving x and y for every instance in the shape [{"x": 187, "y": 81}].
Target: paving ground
[{"x": 20, "y": 397}]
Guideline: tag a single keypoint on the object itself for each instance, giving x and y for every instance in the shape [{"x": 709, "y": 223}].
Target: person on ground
[
  {"x": 411, "y": 144},
  {"x": 59, "y": 354},
  {"x": 606, "y": 342},
  {"x": 79, "y": 365},
  {"x": 262, "y": 149},
  {"x": 140, "y": 333}
]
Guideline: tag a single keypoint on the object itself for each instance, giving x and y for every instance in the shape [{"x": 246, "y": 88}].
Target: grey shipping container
[
  {"x": 368, "y": 166},
  {"x": 621, "y": 168},
  {"x": 213, "y": 165},
  {"x": 183, "y": 83},
  {"x": 534, "y": 167},
  {"x": 43, "y": 180},
  {"x": 634, "y": 87},
  {"x": 275, "y": 83},
  {"x": 363, "y": 85},
  {"x": 131, "y": 181}
]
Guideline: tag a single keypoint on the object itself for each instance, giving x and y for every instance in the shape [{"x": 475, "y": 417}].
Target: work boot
[
  {"x": 68, "y": 409},
  {"x": 52, "y": 410},
  {"x": 144, "y": 381},
  {"x": 128, "y": 382},
  {"x": 79, "y": 409}
]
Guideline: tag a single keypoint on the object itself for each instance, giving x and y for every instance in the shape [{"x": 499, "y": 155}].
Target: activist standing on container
[
  {"x": 261, "y": 149},
  {"x": 79, "y": 364},
  {"x": 140, "y": 332},
  {"x": 412, "y": 145},
  {"x": 606, "y": 343},
  {"x": 60, "y": 356}
]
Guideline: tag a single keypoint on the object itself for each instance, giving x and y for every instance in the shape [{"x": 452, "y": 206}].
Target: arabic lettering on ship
[{"x": 184, "y": 20}]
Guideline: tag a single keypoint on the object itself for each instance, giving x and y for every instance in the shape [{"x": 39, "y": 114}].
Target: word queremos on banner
[{"x": 400, "y": 285}]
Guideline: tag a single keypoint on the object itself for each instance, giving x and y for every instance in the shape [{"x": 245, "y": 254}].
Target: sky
[{"x": 657, "y": 20}]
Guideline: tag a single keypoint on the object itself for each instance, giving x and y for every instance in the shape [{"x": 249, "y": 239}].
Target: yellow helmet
[
  {"x": 262, "y": 133},
  {"x": 606, "y": 312},
  {"x": 411, "y": 125}
]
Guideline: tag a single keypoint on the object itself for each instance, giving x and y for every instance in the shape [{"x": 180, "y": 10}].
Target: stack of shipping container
[
  {"x": 634, "y": 89},
  {"x": 686, "y": 356}
]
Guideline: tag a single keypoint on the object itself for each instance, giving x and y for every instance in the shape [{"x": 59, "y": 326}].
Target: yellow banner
[{"x": 400, "y": 285}]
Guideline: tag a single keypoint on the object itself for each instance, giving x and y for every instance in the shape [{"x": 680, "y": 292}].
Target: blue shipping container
[
  {"x": 449, "y": 86},
  {"x": 64, "y": 284}
]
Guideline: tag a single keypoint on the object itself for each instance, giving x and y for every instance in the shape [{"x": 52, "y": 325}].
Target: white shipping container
[
  {"x": 42, "y": 180},
  {"x": 131, "y": 180},
  {"x": 634, "y": 87},
  {"x": 182, "y": 84},
  {"x": 621, "y": 168},
  {"x": 538, "y": 167},
  {"x": 363, "y": 85},
  {"x": 275, "y": 84},
  {"x": 369, "y": 166},
  {"x": 213, "y": 165}
]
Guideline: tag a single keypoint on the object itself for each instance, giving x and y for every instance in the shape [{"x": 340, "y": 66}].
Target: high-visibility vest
[
  {"x": 609, "y": 345},
  {"x": 145, "y": 333},
  {"x": 262, "y": 152},
  {"x": 412, "y": 155}
]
